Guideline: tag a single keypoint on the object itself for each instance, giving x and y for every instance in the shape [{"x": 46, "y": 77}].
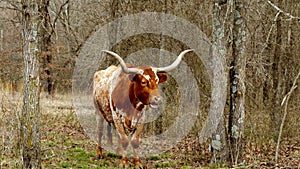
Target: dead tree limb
[
  {"x": 290, "y": 16},
  {"x": 285, "y": 102}
]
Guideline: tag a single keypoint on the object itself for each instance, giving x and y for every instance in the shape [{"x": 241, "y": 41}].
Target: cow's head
[{"x": 145, "y": 79}]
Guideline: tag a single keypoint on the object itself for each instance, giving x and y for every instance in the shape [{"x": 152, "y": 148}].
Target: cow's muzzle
[{"x": 155, "y": 101}]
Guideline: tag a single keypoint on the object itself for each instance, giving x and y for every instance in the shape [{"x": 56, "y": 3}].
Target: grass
[
  {"x": 65, "y": 145},
  {"x": 186, "y": 167},
  {"x": 154, "y": 158},
  {"x": 161, "y": 165}
]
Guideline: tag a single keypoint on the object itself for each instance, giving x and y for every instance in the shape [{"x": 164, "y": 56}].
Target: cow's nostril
[
  {"x": 155, "y": 102},
  {"x": 157, "y": 99}
]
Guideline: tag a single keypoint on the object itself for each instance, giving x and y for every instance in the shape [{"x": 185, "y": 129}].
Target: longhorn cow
[{"x": 121, "y": 93}]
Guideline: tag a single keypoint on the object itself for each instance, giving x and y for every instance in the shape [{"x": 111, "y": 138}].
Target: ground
[{"x": 65, "y": 145}]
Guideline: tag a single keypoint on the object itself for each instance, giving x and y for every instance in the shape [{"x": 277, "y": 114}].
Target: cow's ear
[
  {"x": 162, "y": 77},
  {"x": 133, "y": 77}
]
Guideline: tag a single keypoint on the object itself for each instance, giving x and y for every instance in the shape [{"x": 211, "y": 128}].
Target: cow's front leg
[
  {"x": 123, "y": 143},
  {"x": 135, "y": 143},
  {"x": 123, "y": 150}
]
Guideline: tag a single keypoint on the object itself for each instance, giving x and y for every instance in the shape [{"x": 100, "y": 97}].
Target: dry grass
[{"x": 65, "y": 145}]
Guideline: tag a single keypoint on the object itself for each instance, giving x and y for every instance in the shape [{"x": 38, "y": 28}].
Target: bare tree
[
  {"x": 219, "y": 147},
  {"x": 1, "y": 39},
  {"x": 237, "y": 82},
  {"x": 277, "y": 78},
  {"x": 46, "y": 45},
  {"x": 285, "y": 102},
  {"x": 30, "y": 116}
]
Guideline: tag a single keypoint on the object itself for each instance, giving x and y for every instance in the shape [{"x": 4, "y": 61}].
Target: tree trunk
[
  {"x": 30, "y": 116},
  {"x": 276, "y": 75},
  {"x": 46, "y": 50},
  {"x": 219, "y": 148},
  {"x": 1, "y": 39},
  {"x": 13, "y": 87},
  {"x": 237, "y": 83}
]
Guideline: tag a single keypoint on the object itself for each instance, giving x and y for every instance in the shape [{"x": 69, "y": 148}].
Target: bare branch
[
  {"x": 57, "y": 16},
  {"x": 269, "y": 34},
  {"x": 286, "y": 101},
  {"x": 285, "y": 13},
  {"x": 10, "y": 5}
]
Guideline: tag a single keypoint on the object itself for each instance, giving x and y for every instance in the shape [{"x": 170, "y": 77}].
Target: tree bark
[
  {"x": 13, "y": 88},
  {"x": 237, "y": 83},
  {"x": 30, "y": 116},
  {"x": 277, "y": 82},
  {"x": 219, "y": 147},
  {"x": 46, "y": 50},
  {"x": 1, "y": 39}
]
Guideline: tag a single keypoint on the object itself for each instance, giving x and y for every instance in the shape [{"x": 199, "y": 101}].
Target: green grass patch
[
  {"x": 154, "y": 158},
  {"x": 167, "y": 155},
  {"x": 82, "y": 166},
  {"x": 112, "y": 155},
  {"x": 52, "y": 144},
  {"x": 64, "y": 165},
  {"x": 105, "y": 164},
  {"x": 79, "y": 154},
  {"x": 219, "y": 165},
  {"x": 162, "y": 165}
]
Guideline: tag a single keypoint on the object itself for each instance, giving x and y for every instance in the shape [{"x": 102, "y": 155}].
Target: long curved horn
[
  {"x": 175, "y": 63},
  {"x": 123, "y": 64}
]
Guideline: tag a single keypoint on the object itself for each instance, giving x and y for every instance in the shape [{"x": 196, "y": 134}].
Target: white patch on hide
[
  {"x": 147, "y": 77},
  {"x": 156, "y": 77}
]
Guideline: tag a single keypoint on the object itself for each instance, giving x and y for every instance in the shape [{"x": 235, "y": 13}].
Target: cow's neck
[
  {"x": 128, "y": 107},
  {"x": 135, "y": 102}
]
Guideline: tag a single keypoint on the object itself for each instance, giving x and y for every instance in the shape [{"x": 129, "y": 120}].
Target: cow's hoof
[
  {"x": 138, "y": 164},
  {"x": 99, "y": 154},
  {"x": 124, "y": 163},
  {"x": 97, "y": 158}
]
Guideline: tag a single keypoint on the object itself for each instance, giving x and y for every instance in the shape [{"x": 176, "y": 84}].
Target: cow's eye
[{"x": 144, "y": 83}]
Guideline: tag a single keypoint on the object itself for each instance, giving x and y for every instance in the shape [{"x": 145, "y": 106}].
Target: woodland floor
[{"x": 65, "y": 145}]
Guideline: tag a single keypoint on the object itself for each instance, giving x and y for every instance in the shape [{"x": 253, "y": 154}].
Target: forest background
[{"x": 272, "y": 65}]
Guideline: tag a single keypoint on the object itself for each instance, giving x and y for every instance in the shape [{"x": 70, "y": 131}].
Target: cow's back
[{"x": 102, "y": 85}]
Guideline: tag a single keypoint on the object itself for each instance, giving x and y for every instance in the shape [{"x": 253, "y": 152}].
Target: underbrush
[{"x": 65, "y": 144}]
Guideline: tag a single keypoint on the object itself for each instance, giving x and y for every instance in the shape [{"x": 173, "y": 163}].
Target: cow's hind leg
[
  {"x": 100, "y": 121},
  {"x": 109, "y": 135}
]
